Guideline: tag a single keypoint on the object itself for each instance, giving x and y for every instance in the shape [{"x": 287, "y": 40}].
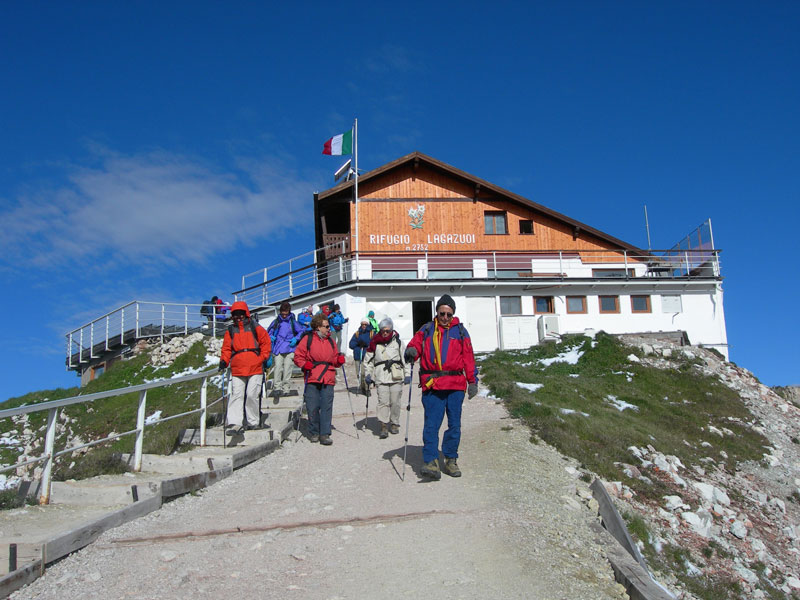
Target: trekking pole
[
  {"x": 408, "y": 419},
  {"x": 366, "y": 410},
  {"x": 350, "y": 399}
]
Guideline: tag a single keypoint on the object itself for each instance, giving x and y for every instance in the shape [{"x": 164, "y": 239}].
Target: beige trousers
[
  {"x": 252, "y": 385},
  {"x": 390, "y": 402},
  {"x": 282, "y": 370}
]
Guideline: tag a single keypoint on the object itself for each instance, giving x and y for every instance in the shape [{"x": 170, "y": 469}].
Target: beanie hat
[
  {"x": 446, "y": 301},
  {"x": 371, "y": 313}
]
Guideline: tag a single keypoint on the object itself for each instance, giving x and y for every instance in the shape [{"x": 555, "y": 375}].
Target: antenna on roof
[
  {"x": 344, "y": 169},
  {"x": 647, "y": 226}
]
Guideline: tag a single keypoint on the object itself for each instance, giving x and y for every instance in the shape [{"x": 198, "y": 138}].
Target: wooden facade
[{"x": 417, "y": 204}]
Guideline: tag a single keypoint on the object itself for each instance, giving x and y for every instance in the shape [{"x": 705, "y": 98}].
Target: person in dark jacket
[
  {"x": 284, "y": 333},
  {"x": 359, "y": 344},
  {"x": 319, "y": 358},
  {"x": 245, "y": 348},
  {"x": 447, "y": 368}
]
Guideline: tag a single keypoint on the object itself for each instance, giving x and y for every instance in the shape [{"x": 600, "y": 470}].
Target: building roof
[{"x": 418, "y": 158}]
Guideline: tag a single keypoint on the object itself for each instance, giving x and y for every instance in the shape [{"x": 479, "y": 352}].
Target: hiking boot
[
  {"x": 451, "y": 467},
  {"x": 431, "y": 470},
  {"x": 384, "y": 432},
  {"x": 325, "y": 440},
  {"x": 313, "y": 439},
  {"x": 394, "y": 428}
]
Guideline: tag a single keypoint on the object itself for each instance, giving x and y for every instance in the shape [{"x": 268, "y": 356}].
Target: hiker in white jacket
[{"x": 386, "y": 368}]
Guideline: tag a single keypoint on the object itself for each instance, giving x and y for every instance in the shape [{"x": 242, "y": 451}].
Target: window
[
  {"x": 526, "y": 227},
  {"x": 510, "y": 305},
  {"x": 612, "y": 273},
  {"x": 576, "y": 304},
  {"x": 609, "y": 304},
  {"x": 543, "y": 305},
  {"x": 640, "y": 304},
  {"x": 494, "y": 223},
  {"x": 671, "y": 304}
]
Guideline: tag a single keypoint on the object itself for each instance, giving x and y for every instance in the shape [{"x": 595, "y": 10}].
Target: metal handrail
[{"x": 53, "y": 406}]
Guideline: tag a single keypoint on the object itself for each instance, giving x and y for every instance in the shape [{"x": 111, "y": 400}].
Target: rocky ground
[
  {"x": 752, "y": 514},
  {"x": 338, "y": 522}
]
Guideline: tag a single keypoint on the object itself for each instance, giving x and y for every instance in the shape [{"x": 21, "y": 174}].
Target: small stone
[
  {"x": 168, "y": 555},
  {"x": 738, "y": 529}
]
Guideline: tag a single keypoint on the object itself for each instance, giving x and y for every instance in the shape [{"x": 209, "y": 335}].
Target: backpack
[
  {"x": 253, "y": 323},
  {"x": 308, "y": 337},
  {"x": 274, "y": 325},
  {"x": 427, "y": 330},
  {"x": 207, "y": 308}
]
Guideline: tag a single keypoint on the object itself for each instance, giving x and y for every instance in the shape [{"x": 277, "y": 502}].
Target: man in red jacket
[
  {"x": 447, "y": 369},
  {"x": 245, "y": 348}
]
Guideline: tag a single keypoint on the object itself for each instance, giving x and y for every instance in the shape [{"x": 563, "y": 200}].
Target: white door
[{"x": 480, "y": 318}]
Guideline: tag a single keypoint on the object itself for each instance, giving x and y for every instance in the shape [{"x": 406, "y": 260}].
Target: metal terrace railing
[
  {"x": 674, "y": 264},
  {"x": 53, "y": 407},
  {"x": 137, "y": 320}
]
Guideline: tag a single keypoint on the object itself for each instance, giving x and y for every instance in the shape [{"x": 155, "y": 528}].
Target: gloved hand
[
  {"x": 368, "y": 379},
  {"x": 407, "y": 380},
  {"x": 472, "y": 390},
  {"x": 272, "y": 339},
  {"x": 340, "y": 359},
  {"x": 293, "y": 343},
  {"x": 308, "y": 366},
  {"x": 223, "y": 365},
  {"x": 411, "y": 354},
  {"x": 268, "y": 362}
]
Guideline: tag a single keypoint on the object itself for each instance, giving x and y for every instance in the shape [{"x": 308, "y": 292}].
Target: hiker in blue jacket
[
  {"x": 337, "y": 321},
  {"x": 284, "y": 332},
  {"x": 359, "y": 344},
  {"x": 304, "y": 318}
]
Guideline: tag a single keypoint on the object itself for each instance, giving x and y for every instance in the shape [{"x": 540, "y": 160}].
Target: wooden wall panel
[{"x": 424, "y": 183}]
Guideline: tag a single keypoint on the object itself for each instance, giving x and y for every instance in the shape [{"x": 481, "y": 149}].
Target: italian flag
[{"x": 339, "y": 144}]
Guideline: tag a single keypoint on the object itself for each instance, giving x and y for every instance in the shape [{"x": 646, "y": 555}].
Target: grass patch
[{"x": 669, "y": 409}]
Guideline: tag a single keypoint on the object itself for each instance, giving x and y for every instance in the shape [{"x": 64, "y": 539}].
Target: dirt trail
[{"x": 338, "y": 522}]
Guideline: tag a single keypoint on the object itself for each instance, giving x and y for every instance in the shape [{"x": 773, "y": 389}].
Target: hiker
[
  {"x": 385, "y": 367},
  {"x": 245, "y": 347},
  {"x": 359, "y": 344},
  {"x": 221, "y": 310},
  {"x": 337, "y": 321},
  {"x": 208, "y": 309},
  {"x": 284, "y": 333},
  {"x": 447, "y": 368},
  {"x": 372, "y": 321},
  {"x": 318, "y": 357},
  {"x": 304, "y": 318}
]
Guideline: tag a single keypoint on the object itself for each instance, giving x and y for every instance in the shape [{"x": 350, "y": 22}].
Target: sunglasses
[
  {"x": 445, "y": 314},
  {"x": 324, "y": 326}
]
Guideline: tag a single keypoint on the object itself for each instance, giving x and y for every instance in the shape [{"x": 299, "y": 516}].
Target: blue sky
[{"x": 158, "y": 151}]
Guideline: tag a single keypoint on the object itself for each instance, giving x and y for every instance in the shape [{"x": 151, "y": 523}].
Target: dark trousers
[{"x": 319, "y": 403}]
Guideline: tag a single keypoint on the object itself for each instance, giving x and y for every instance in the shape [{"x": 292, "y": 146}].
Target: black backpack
[{"x": 207, "y": 308}]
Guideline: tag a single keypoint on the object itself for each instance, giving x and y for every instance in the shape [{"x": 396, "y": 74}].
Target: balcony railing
[{"x": 562, "y": 265}]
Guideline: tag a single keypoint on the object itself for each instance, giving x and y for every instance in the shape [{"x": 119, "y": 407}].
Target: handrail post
[
  {"x": 185, "y": 319},
  {"x": 137, "y": 321},
  {"x": 162, "y": 323},
  {"x": 69, "y": 349},
  {"x": 494, "y": 263},
  {"x": 122, "y": 326},
  {"x": 686, "y": 260},
  {"x": 561, "y": 263},
  {"x": 107, "y": 332},
  {"x": 341, "y": 268},
  {"x": 80, "y": 349},
  {"x": 137, "y": 456},
  {"x": 203, "y": 403},
  {"x": 49, "y": 443},
  {"x": 91, "y": 340},
  {"x": 264, "y": 289}
]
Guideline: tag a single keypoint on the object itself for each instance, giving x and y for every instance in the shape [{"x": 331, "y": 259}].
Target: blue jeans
[
  {"x": 319, "y": 403},
  {"x": 436, "y": 404}
]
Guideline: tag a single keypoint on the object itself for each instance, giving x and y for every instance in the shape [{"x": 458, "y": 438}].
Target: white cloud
[{"x": 155, "y": 207}]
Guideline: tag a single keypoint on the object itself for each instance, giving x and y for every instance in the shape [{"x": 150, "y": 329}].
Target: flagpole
[{"x": 355, "y": 155}]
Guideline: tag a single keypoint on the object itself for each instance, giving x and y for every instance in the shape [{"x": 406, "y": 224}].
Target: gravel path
[{"x": 338, "y": 522}]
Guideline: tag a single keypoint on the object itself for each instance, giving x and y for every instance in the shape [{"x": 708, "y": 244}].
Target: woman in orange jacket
[
  {"x": 246, "y": 347},
  {"x": 318, "y": 357}
]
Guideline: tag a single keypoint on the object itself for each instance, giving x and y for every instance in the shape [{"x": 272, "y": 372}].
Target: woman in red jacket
[
  {"x": 318, "y": 357},
  {"x": 245, "y": 348}
]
